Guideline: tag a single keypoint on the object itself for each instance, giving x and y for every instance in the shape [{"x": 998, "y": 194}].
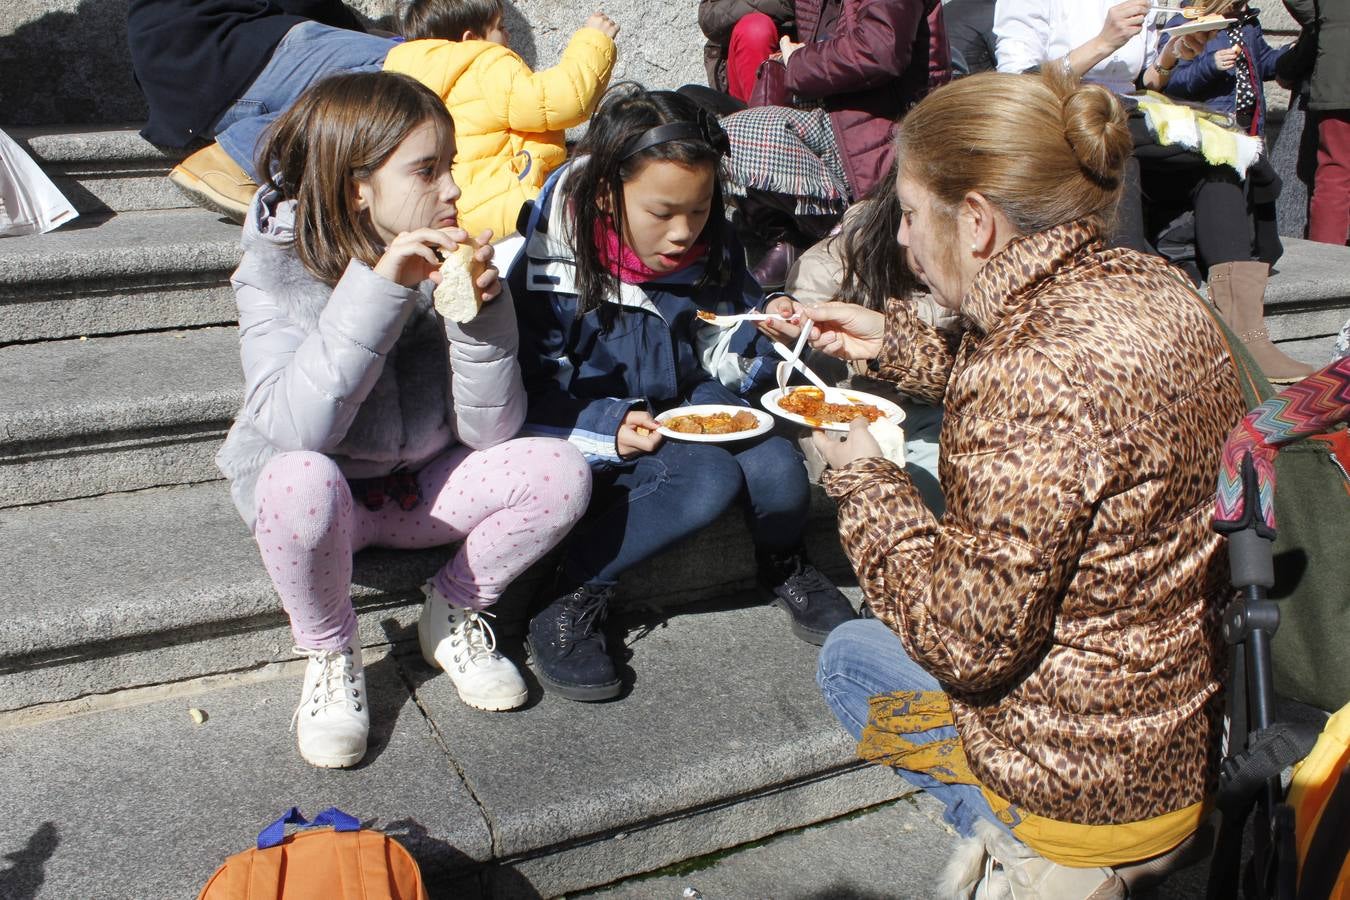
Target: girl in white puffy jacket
[{"x": 369, "y": 420}]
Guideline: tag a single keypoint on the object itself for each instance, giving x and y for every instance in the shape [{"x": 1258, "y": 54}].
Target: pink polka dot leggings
[{"x": 510, "y": 504}]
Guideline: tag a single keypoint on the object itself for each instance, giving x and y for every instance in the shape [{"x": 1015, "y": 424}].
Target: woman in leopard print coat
[{"x": 1050, "y": 664}]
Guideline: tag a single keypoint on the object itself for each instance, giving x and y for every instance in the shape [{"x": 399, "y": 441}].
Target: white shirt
[{"x": 1030, "y": 33}]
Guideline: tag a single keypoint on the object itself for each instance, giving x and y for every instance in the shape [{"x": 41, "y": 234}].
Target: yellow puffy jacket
[{"x": 509, "y": 120}]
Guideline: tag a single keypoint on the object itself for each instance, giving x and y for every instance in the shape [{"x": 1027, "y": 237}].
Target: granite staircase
[{"x": 132, "y": 591}]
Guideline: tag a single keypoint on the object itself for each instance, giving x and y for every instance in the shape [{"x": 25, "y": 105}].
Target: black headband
[{"x": 706, "y": 129}]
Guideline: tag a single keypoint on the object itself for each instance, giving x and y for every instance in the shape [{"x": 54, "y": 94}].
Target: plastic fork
[
  {"x": 728, "y": 321},
  {"x": 792, "y": 360}
]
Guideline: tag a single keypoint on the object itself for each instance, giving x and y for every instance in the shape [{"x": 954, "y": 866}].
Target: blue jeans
[
  {"x": 309, "y": 52},
  {"x": 641, "y": 508},
  {"x": 864, "y": 658}
]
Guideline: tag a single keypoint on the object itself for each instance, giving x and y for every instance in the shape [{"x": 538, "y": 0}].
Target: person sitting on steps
[
  {"x": 368, "y": 419},
  {"x": 624, "y": 246},
  {"x": 1046, "y": 657}
]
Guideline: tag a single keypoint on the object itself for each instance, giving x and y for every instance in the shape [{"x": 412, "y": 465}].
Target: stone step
[
  {"x": 722, "y": 739},
  {"x": 135, "y": 271},
  {"x": 149, "y": 587},
  {"x": 1308, "y": 300},
  {"x": 104, "y": 169},
  {"x": 85, "y": 417},
  {"x": 80, "y": 418}
]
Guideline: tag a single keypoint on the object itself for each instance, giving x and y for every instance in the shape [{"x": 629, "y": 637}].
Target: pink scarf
[{"x": 620, "y": 259}]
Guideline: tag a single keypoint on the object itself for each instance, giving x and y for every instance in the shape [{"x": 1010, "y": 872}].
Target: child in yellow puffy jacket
[{"x": 509, "y": 120}]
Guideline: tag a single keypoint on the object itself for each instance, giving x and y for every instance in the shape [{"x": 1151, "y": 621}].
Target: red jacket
[{"x": 880, "y": 58}]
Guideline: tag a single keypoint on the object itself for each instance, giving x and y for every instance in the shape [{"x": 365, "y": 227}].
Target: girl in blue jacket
[
  {"x": 622, "y": 249},
  {"x": 1228, "y": 76}
]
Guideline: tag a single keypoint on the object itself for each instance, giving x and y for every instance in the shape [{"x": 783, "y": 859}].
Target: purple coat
[{"x": 867, "y": 72}]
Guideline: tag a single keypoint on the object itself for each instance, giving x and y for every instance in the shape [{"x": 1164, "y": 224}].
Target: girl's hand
[
  {"x": 1226, "y": 59},
  {"x": 637, "y": 434},
  {"x": 777, "y": 329},
  {"x": 839, "y": 450},
  {"x": 489, "y": 280},
  {"x": 787, "y": 47},
  {"x": 411, "y": 257},
  {"x": 846, "y": 330},
  {"x": 1123, "y": 21}
]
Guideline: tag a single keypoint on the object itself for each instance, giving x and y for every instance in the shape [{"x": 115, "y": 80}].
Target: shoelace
[
  {"x": 805, "y": 580},
  {"x": 479, "y": 638},
  {"x": 331, "y": 689},
  {"x": 588, "y": 611}
]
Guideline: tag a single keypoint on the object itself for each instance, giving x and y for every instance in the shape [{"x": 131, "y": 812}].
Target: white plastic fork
[
  {"x": 792, "y": 360},
  {"x": 728, "y": 321}
]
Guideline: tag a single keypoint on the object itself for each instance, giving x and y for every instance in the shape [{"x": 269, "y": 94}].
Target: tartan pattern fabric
[
  {"x": 1312, "y": 406},
  {"x": 787, "y": 151}
]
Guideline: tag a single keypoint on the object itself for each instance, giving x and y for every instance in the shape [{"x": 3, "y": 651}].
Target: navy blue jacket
[
  {"x": 581, "y": 379},
  {"x": 1199, "y": 79}
]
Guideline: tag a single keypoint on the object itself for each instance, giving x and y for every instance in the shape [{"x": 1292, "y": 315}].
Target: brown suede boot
[
  {"x": 210, "y": 178},
  {"x": 1238, "y": 291}
]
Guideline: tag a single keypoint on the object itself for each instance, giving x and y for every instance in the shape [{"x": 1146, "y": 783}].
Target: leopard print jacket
[{"x": 1069, "y": 599}]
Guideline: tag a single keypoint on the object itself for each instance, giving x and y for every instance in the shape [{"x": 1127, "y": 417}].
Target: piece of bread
[{"x": 457, "y": 297}]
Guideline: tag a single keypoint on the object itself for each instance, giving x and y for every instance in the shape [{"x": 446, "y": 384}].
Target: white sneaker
[
  {"x": 332, "y": 722},
  {"x": 461, "y": 642}
]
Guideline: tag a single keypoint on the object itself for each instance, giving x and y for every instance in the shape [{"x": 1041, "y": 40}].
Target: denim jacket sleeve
[{"x": 590, "y": 424}]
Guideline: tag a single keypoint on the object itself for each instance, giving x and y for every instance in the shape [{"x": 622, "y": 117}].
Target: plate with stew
[
  {"x": 713, "y": 423},
  {"x": 830, "y": 410}
]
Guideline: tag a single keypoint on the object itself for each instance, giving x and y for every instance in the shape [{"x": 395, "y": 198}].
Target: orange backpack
[{"x": 341, "y": 862}]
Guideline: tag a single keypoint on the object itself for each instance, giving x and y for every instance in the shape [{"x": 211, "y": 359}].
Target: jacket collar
[{"x": 1012, "y": 275}]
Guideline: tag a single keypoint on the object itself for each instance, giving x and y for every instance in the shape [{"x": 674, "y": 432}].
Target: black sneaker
[
  {"x": 568, "y": 648},
  {"x": 814, "y": 603}
]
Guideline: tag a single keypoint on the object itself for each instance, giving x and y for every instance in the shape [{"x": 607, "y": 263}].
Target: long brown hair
[
  {"x": 1045, "y": 149},
  {"x": 339, "y": 132}
]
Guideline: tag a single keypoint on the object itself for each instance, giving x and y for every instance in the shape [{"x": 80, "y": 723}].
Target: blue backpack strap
[
  {"x": 338, "y": 819},
  {"x": 275, "y": 833}
]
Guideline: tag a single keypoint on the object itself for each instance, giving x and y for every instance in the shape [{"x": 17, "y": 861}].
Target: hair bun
[{"x": 1094, "y": 126}]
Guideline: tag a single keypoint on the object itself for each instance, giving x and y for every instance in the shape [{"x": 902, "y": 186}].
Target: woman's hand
[
  {"x": 637, "y": 434},
  {"x": 846, "y": 330},
  {"x": 787, "y": 46},
  {"x": 1226, "y": 59},
  {"x": 1123, "y": 21},
  {"x": 839, "y": 450}
]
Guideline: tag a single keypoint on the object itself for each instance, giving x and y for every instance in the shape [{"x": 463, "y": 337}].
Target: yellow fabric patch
[{"x": 885, "y": 741}]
